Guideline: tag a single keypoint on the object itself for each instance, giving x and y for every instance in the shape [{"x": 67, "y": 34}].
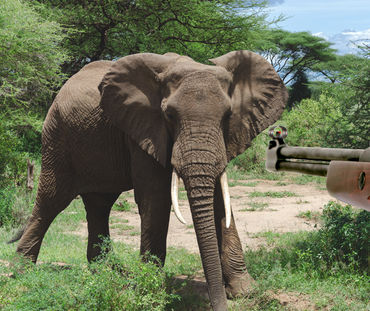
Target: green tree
[
  {"x": 294, "y": 52},
  {"x": 339, "y": 117},
  {"x": 314, "y": 123},
  {"x": 30, "y": 72},
  {"x": 339, "y": 68},
  {"x": 115, "y": 28},
  {"x": 299, "y": 89},
  {"x": 354, "y": 96},
  {"x": 30, "y": 55}
]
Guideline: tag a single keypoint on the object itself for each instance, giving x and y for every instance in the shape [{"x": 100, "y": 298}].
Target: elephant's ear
[
  {"x": 258, "y": 98},
  {"x": 131, "y": 99}
]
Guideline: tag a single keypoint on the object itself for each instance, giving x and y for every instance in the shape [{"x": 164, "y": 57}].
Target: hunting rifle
[{"x": 347, "y": 170}]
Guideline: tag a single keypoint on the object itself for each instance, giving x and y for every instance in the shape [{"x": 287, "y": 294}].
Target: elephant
[{"x": 142, "y": 122}]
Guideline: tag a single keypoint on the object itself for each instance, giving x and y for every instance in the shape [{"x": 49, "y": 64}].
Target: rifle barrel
[
  {"x": 305, "y": 168},
  {"x": 324, "y": 154}
]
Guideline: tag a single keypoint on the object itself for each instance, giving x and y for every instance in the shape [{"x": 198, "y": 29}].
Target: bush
[
  {"x": 7, "y": 197},
  {"x": 313, "y": 123},
  {"x": 346, "y": 233},
  {"x": 342, "y": 244},
  {"x": 25, "y": 127},
  {"x": 253, "y": 159},
  {"x": 12, "y": 161},
  {"x": 113, "y": 283}
]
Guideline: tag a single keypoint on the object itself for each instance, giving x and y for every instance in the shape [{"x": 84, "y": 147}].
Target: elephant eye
[
  {"x": 170, "y": 114},
  {"x": 227, "y": 114}
]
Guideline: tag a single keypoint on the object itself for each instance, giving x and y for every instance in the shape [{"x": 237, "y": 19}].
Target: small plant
[
  {"x": 310, "y": 215},
  {"x": 272, "y": 194},
  {"x": 183, "y": 195},
  {"x": 122, "y": 227},
  {"x": 249, "y": 184},
  {"x": 190, "y": 226},
  {"x": 122, "y": 206},
  {"x": 235, "y": 173},
  {"x": 129, "y": 194},
  {"x": 281, "y": 183},
  {"x": 134, "y": 233},
  {"x": 233, "y": 183},
  {"x": 236, "y": 197},
  {"x": 245, "y": 184},
  {"x": 300, "y": 201},
  {"x": 255, "y": 206},
  {"x": 305, "y": 179}
]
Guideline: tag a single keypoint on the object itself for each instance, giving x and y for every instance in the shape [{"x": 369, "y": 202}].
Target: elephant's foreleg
[
  {"x": 152, "y": 194},
  {"x": 237, "y": 279},
  {"x": 52, "y": 198},
  {"x": 98, "y": 207}
]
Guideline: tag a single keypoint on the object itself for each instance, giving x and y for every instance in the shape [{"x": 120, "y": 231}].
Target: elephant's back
[
  {"x": 77, "y": 130},
  {"x": 80, "y": 95}
]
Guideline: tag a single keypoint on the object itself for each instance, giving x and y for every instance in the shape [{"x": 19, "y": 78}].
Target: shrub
[
  {"x": 347, "y": 234},
  {"x": 312, "y": 123},
  {"x": 26, "y": 127},
  {"x": 254, "y": 157},
  {"x": 7, "y": 196},
  {"x": 12, "y": 161},
  {"x": 121, "y": 282},
  {"x": 342, "y": 244}
]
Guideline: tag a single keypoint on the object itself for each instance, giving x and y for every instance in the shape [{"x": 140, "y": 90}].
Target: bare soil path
[{"x": 255, "y": 212}]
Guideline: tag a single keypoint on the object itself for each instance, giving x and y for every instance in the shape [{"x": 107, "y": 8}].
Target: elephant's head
[{"x": 195, "y": 118}]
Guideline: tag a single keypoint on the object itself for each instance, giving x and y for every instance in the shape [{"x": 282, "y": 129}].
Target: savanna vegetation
[{"x": 43, "y": 43}]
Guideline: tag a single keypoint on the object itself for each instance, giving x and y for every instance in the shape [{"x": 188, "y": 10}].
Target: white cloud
[
  {"x": 321, "y": 35},
  {"x": 347, "y": 41},
  {"x": 357, "y": 35}
]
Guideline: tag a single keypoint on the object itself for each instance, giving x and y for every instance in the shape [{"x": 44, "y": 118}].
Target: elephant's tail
[{"x": 17, "y": 236}]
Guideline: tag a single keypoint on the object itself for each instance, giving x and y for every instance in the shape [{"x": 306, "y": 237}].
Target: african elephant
[{"x": 142, "y": 121}]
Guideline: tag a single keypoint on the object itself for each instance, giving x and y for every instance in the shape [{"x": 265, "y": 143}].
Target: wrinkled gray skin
[{"x": 127, "y": 124}]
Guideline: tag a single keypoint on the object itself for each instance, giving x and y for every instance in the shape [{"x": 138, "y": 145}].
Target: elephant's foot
[{"x": 240, "y": 286}]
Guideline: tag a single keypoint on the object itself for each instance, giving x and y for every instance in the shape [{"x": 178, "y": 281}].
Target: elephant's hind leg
[
  {"x": 98, "y": 207},
  {"x": 53, "y": 196}
]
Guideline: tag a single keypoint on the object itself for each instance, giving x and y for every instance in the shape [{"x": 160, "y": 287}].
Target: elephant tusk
[
  {"x": 226, "y": 196},
  {"x": 174, "y": 196}
]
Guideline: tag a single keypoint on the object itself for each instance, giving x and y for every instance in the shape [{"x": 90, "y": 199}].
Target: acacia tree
[
  {"x": 299, "y": 89},
  {"x": 339, "y": 68},
  {"x": 293, "y": 52},
  {"x": 30, "y": 59},
  {"x": 354, "y": 95},
  {"x": 113, "y": 28},
  {"x": 30, "y": 54}
]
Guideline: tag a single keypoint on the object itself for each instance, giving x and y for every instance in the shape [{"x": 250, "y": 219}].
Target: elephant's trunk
[
  {"x": 200, "y": 186},
  {"x": 225, "y": 195},
  {"x": 199, "y": 157}
]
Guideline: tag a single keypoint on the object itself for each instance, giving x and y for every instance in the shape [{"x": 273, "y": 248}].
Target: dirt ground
[{"x": 270, "y": 214}]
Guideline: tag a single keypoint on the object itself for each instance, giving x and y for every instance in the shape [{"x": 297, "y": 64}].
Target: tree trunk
[{"x": 30, "y": 174}]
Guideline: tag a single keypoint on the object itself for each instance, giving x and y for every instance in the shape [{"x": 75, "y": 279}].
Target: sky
[{"x": 338, "y": 21}]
